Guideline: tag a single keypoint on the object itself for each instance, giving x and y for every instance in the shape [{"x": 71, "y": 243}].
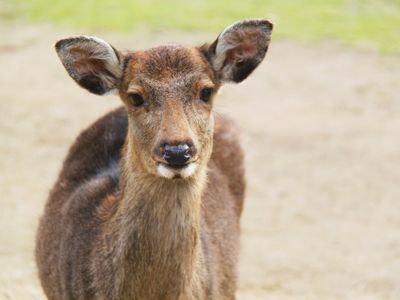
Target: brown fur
[
  {"x": 74, "y": 219},
  {"x": 113, "y": 228}
]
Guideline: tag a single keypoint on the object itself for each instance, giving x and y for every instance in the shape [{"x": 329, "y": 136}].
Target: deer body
[{"x": 148, "y": 202}]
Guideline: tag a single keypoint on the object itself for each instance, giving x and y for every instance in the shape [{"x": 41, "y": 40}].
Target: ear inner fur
[
  {"x": 91, "y": 62},
  {"x": 240, "y": 48}
]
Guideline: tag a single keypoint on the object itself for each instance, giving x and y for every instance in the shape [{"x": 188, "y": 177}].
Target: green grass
[{"x": 369, "y": 23}]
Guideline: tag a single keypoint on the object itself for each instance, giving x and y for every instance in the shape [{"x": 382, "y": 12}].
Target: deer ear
[
  {"x": 239, "y": 49},
  {"x": 91, "y": 62}
]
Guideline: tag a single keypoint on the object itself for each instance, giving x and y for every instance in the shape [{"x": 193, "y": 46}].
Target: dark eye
[
  {"x": 136, "y": 99},
  {"x": 205, "y": 94}
]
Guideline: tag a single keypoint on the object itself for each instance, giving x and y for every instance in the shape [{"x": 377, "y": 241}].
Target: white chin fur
[
  {"x": 188, "y": 171},
  {"x": 164, "y": 171},
  {"x": 169, "y": 173}
]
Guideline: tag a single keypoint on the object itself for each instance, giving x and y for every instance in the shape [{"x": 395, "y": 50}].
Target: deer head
[{"x": 168, "y": 91}]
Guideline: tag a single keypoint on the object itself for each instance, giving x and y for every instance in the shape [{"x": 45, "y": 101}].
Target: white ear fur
[
  {"x": 223, "y": 46},
  {"x": 91, "y": 62}
]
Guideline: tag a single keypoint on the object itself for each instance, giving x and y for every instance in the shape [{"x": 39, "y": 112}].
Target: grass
[{"x": 367, "y": 23}]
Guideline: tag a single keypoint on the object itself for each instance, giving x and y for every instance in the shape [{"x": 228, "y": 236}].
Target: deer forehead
[{"x": 168, "y": 65}]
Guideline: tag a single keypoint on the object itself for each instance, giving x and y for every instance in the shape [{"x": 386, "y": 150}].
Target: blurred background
[{"x": 320, "y": 122}]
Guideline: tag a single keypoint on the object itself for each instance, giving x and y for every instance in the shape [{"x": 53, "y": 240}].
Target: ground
[{"x": 320, "y": 128}]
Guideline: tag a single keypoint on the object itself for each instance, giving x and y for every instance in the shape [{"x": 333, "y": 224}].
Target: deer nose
[{"x": 177, "y": 155}]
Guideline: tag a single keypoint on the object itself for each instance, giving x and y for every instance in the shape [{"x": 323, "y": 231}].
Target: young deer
[{"x": 148, "y": 202}]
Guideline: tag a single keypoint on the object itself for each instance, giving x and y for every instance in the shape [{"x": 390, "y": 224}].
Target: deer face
[{"x": 168, "y": 91}]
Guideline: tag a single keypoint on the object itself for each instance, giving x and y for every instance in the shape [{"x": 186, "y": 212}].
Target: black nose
[{"x": 177, "y": 155}]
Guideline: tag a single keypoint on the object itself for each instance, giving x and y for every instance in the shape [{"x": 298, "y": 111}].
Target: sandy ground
[{"x": 320, "y": 128}]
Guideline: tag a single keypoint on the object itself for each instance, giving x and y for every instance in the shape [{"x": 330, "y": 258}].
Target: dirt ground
[{"x": 320, "y": 126}]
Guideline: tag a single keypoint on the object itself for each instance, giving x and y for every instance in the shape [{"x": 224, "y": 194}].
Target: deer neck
[{"x": 158, "y": 231}]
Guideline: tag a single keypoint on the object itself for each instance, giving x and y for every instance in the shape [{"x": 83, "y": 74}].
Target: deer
[{"x": 148, "y": 202}]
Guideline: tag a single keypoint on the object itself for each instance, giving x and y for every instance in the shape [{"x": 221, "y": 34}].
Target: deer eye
[
  {"x": 136, "y": 99},
  {"x": 205, "y": 94}
]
